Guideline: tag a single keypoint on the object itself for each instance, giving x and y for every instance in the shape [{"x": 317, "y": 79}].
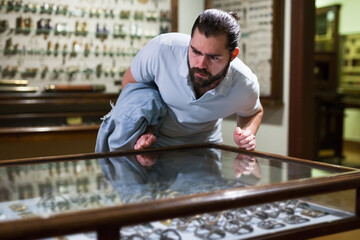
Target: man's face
[{"x": 208, "y": 60}]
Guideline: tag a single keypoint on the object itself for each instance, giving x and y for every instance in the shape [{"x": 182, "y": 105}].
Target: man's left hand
[
  {"x": 244, "y": 165},
  {"x": 244, "y": 139}
]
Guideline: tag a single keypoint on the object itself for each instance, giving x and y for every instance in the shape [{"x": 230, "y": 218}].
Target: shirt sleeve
[
  {"x": 252, "y": 104},
  {"x": 144, "y": 65}
]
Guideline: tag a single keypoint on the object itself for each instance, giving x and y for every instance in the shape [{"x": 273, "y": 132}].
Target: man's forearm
[
  {"x": 251, "y": 123},
  {"x": 127, "y": 78}
]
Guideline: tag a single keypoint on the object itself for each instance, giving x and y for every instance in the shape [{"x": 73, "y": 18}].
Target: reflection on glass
[
  {"x": 170, "y": 174},
  {"x": 50, "y": 188}
]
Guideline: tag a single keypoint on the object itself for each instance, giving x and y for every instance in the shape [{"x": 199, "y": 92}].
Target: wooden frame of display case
[
  {"x": 28, "y": 119},
  {"x": 50, "y": 106},
  {"x": 108, "y": 220}
]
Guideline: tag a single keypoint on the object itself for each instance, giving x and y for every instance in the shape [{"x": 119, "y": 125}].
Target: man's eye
[{"x": 214, "y": 58}]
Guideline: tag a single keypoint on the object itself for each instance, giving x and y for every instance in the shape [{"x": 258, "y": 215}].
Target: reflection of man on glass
[
  {"x": 201, "y": 81},
  {"x": 176, "y": 171}
]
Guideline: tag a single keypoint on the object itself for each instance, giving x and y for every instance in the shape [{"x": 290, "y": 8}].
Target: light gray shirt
[{"x": 189, "y": 120}]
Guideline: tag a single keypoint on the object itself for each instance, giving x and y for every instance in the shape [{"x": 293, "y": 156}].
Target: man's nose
[{"x": 202, "y": 62}]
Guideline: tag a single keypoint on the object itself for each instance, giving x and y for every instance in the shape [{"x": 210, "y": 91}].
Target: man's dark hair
[{"x": 214, "y": 22}]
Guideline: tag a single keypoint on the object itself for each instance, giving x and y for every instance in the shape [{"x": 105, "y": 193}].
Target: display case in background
[
  {"x": 61, "y": 64},
  {"x": 329, "y": 107},
  {"x": 35, "y": 125},
  {"x": 261, "y": 42},
  {"x": 48, "y": 42},
  {"x": 184, "y": 192},
  {"x": 350, "y": 65},
  {"x": 350, "y": 70}
]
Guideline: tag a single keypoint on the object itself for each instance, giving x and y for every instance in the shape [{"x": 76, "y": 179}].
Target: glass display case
[{"x": 202, "y": 191}]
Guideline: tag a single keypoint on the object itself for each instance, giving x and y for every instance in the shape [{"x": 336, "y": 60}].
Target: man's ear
[{"x": 234, "y": 53}]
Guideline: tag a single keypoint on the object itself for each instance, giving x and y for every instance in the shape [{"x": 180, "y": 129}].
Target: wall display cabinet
[
  {"x": 327, "y": 48},
  {"x": 326, "y": 30},
  {"x": 76, "y": 42},
  {"x": 186, "y": 192},
  {"x": 62, "y": 62},
  {"x": 329, "y": 108},
  {"x": 261, "y": 41},
  {"x": 350, "y": 68}
]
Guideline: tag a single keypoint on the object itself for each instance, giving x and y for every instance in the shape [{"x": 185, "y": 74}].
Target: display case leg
[{"x": 108, "y": 233}]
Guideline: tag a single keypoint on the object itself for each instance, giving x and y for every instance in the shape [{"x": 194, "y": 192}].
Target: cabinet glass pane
[{"x": 50, "y": 188}]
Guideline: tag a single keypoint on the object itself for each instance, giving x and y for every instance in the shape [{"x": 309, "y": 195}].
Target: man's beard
[{"x": 208, "y": 79}]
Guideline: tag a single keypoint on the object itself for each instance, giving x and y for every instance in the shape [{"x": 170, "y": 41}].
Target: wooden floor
[{"x": 351, "y": 159}]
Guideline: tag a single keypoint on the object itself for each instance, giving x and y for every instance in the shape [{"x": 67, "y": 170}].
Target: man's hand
[
  {"x": 147, "y": 160},
  {"x": 247, "y": 165},
  {"x": 244, "y": 165},
  {"x": 146, "y": 141},
  {"x": 244, "y": 139}
]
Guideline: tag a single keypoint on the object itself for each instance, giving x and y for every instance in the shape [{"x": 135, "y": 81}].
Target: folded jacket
[{"x": 138, "y": 106}]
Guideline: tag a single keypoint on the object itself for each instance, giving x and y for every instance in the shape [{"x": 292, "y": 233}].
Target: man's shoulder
[
  {"x": 174, "y": 39},
  {"x": 239, "y": 68}
]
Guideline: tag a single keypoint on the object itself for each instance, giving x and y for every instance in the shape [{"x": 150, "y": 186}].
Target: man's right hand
[{"x": 146, "y": 141}]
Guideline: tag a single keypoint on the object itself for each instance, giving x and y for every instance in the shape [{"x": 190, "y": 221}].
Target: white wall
[
  {"x": 273, "y": 133},
  {"x": 188, "y": 11},
  {"x": 349, "y": 14}
]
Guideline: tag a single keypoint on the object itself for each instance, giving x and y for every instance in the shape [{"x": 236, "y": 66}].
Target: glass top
[{"x": 50, "y": 188}]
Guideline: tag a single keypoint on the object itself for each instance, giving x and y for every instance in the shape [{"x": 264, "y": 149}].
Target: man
[{"x": 201, "y": 80}]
